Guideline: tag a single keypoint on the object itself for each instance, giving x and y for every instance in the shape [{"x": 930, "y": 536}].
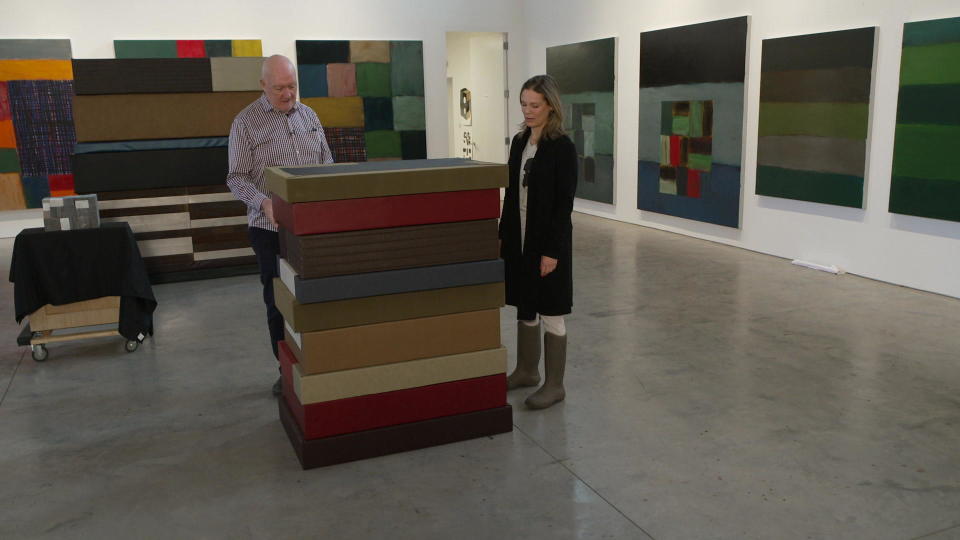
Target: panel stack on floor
[
  {"x": 152, "y": 144},
  {"x": 390, "y": 287}
]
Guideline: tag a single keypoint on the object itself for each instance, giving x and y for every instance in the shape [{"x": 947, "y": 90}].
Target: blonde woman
[{"x": 535, "y": 239}]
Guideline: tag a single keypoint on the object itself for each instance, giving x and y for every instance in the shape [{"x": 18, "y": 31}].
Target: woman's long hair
[{"x": 547, "y": 87}]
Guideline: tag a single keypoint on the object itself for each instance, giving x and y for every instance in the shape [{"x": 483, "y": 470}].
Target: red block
[
  {"x": 361, "y": 413},
  {"x": 386, "y": 212},
  {"x": 693, "y": 183},
  {"x": 191, "y": 48},
  {"x": 61, "y": 182},
  {"x": 4, "y": 101},
  {"x": 675, "y": 150}
]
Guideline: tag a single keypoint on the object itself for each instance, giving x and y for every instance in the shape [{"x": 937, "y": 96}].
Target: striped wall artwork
[
  {"x": 36, "y": 121},
  {"x": 585, "y": 73},
  {"x": 814, "y": 116},
  {"x": 926, "y": 179},
  {"x": 165, "y": 174},
  {"x": 691, "y": 121},
  {"x": 186, "y": 48},
  {"x": 368, "y": 96}
]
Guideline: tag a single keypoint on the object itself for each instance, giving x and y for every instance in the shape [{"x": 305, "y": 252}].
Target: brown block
[
  {"x": 396, "y": 341},
  {"x": 390, "y": 307},
  {"x": 393, "y": 439},
  {"x": 381, "y": 179},
  {"x": 157, "y": 116},
  {"x": 359, "y": 252}
]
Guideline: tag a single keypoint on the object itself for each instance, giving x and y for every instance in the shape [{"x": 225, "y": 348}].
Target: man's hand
[
  {"x": 267, "y": 208},
  {"x": 547, "y": 265}
]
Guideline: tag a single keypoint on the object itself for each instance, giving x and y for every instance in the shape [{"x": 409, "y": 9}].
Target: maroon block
[
  {"x": 393, "y": 439},
  {"x": 384, "y": 212},
  {"x": 361, "y": 413}
]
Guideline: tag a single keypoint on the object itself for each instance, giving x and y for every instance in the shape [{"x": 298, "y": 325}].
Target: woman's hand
[{"x": 547, "y": 265}]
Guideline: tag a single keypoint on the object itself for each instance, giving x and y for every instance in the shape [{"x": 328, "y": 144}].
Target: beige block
[
  {"x": 142, "y": 202},
  {"x": 370, "y": 51},
  {"x": 217, "y": 222},
  {"x": 103, "y": 310},
  {"x": 235, "y": 74},
  {"x": 391, "y": 377},
  {"x": 154, "y": 222},
  {"x": 165, "y": 246},
  {"x": 222, "y": 254}
]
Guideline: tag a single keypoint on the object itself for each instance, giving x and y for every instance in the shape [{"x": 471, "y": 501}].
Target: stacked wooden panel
[
  {"x": 390, "y": 288},
  {"x": 152, "y": 144}
]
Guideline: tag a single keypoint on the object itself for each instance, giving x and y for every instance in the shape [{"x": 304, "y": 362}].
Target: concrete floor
[{"x": 711, "y": 393}]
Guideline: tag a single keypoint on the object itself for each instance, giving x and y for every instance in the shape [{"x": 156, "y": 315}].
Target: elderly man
[{"x": 274, "y": 130}]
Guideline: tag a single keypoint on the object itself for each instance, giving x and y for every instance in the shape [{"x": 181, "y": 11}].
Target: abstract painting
[
  {"x": 926, "y": 180},
  {"x": 585, "y": 73},
  {"x": 186, "y": 48},
  {"x": 691, "y": 121},
  {"x": 814, "y": 116},
  {"x": 368, "y": 95},
  {"x": 36, "y": 121}
]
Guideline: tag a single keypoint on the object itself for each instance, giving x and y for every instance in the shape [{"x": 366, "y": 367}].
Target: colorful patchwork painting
[
  {"x": 814, "y": 116},
  {"x": 36, "y": 121},
  {"x": 926, "y": 180},
  {"x": 691, "y": 121},
  {"x": 368, "y": 95},
  {"x": 186, "y": 48},
  {"x": 585, "y": 73},
  {"x": 686, "y": 136}
]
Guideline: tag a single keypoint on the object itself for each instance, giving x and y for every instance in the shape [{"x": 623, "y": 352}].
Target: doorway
[{"x": 477, "y": 95}]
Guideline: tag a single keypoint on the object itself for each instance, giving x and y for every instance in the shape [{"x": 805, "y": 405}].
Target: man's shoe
[{"x": 278, "y": 387}]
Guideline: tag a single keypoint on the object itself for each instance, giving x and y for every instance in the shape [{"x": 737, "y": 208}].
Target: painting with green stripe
[
  {"x": 926, "y": 176},
  {"x": 814, "y": 116}
]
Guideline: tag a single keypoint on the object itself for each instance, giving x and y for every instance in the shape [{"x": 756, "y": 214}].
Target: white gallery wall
[{"x": 912, "y": 251}]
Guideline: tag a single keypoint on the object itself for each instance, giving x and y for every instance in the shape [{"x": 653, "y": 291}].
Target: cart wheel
[
  {"x": 39, "y": 353},
  {"x": 131, "y": 345}
]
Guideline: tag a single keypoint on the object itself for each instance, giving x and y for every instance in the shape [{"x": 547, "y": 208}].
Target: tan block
[
  {"x": 105, "y": 310},
  {"x": 370, "y": 51},
  {"x": 158, "y": 116},
  {"x": 396, "y": 341},
  {"x": 354, "y": 180},
  {"x": 337, "y": 111},
  {"x": 378, "y": 309},
  {"x": 391, "y": 377}
]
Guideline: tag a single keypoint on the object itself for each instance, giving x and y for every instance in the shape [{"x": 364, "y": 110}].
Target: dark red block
[
  {"x": 385, "y": 212},
  {"x": 361, "y": 413},
  {"x": 191, "y": 48},
  {"x": 693, "y": 183},
  {"x": 393, "y": 439}
]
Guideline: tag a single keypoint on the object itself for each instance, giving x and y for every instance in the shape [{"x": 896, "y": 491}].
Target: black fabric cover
[
  {"x": 141, "y": 75},
  {"x": 63, "y": 267},
  {"x": 148, "y": 169}
]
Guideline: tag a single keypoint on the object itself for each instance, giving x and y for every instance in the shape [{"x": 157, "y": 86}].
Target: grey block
[
  {"x": 69, "y": 213},
  {"x": 327, "y": 289},
  {"x": 35, "y": 49}
]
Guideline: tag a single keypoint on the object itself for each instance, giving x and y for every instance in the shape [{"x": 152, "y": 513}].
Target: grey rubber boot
[
  {"x": 554, "y": 360},
  {"x": 528, "y": 357}
]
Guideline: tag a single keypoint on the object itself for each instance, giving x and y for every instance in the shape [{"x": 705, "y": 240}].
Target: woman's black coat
[{"x": 552, "y": 184}]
